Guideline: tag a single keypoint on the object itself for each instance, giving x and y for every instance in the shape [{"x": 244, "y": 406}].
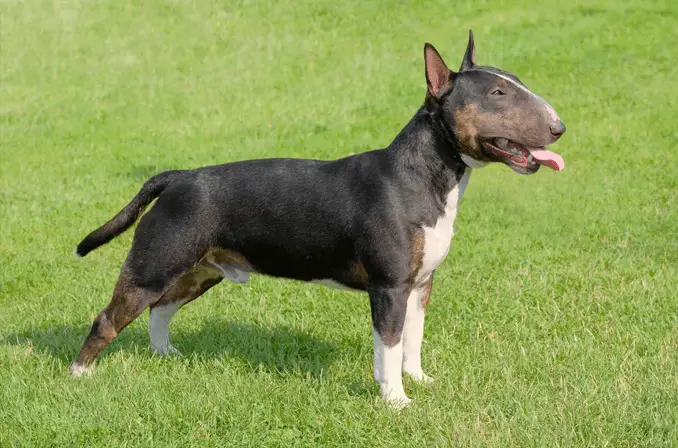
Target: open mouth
[{"x": 525, "y": 157}]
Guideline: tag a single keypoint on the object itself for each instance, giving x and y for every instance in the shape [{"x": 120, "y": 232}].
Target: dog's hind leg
[
  {"x": 158, "y": 327},
  {"x": 169, "y": 243},
  {"x": 128, "y": 302},
  {"x": 191, "y": 285}
]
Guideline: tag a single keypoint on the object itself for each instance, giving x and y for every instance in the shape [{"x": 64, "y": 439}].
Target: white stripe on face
[
  {"x": 551, "y": 111},
  {"x": 520, "y": 86}
]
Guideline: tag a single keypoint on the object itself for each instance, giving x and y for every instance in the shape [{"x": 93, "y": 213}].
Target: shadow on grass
[{"x": 277, "y": 350}]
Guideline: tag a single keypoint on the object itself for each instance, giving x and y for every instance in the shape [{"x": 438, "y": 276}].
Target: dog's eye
[{"x": 498, "y": 92}]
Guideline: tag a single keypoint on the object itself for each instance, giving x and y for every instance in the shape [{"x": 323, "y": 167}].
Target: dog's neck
[{"x": 429, "y": 150}]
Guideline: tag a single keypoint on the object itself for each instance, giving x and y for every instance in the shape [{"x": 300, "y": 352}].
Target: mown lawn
[{"x": 553, "y": 322}]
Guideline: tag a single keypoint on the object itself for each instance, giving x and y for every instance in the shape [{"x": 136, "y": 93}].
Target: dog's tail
[{"x": 128, "y": 215}]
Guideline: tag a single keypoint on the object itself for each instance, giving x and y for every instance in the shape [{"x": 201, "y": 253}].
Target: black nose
[{"x": 558, "y": 129}]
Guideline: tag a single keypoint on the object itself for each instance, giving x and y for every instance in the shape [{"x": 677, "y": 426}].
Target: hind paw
[{"x": 77, "y": 369}]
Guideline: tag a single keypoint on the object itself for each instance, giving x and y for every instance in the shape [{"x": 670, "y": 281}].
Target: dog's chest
[{"x": 437, "y": 239}]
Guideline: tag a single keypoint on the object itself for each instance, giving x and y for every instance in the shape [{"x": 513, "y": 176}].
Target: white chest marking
[{"x": 437, "y": 239}]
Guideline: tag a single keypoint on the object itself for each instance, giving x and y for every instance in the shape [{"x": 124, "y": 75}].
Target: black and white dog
[{"x": 379, "y": 222}]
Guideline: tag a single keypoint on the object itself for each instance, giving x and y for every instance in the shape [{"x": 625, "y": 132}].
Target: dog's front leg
[
  {"x": 389, "y": 306},
  {"x": 413, "y": 331}
]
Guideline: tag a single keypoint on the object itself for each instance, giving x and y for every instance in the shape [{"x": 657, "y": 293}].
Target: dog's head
[{"x": 493, "y": 115}]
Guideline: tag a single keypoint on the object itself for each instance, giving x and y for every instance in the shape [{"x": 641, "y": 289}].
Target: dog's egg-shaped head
[{"x": 494, "y": 116}]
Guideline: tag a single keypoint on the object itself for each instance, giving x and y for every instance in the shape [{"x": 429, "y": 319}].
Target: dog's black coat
[{"x": 300, "y": 219}]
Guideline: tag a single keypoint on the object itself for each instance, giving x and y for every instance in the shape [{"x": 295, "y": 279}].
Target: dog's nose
[{"x": 558, "y": 129}]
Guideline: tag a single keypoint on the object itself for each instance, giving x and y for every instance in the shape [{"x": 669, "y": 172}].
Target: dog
[{"x": 379, "y": 222}]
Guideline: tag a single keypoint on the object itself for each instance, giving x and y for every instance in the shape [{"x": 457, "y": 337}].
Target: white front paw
[
  {"x": 394, "y": 396},
  {"x": 425, "y": 379},
  {"x": 419, "y": 376},
  {"x": 166, "y": 350},
  {"x": 78, "y": 369},
  {"x": 398, "y": 401}
]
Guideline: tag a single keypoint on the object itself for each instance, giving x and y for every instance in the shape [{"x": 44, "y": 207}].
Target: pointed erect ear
[
  {"x": 438, "y": 76},
  {"x": 470, "y": 56}
]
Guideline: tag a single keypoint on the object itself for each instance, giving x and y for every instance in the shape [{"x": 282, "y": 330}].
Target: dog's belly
[{"x": 237, "y": 267}]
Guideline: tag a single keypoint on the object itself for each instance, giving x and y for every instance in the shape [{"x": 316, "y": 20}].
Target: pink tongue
[{"x": 548, "y": 158}]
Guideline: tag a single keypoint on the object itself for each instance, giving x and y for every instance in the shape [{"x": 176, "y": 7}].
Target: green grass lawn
[{"x": 553, "y": 321}]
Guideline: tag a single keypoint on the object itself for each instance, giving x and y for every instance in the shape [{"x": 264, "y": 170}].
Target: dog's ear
[
  {"x": 470, "y": 56},
  {"x": 438, "y": 76}
]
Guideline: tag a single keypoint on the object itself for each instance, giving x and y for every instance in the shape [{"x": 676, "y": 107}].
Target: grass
[{"x": 553, "y": 320}]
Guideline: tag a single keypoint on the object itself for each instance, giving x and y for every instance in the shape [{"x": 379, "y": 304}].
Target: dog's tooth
[{"x": 502, "y": 143}]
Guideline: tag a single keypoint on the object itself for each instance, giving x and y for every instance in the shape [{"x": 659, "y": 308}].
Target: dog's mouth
[{"x": 523, "y": 158}]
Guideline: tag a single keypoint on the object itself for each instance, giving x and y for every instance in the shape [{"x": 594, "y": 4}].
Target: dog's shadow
[{"x": 280, "y": 350}]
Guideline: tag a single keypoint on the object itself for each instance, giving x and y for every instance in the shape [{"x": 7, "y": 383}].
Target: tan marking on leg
[
  {"x": 427, "y": 286},
  {"x": 232, "y": 265},
  {"x": 417, "y": 243},
  {"x": 127, "y": 303},
  {"x": 191, "y": 284},
  {"x": 355, "y": 276},
  {"x": 227, "y": 257}
]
